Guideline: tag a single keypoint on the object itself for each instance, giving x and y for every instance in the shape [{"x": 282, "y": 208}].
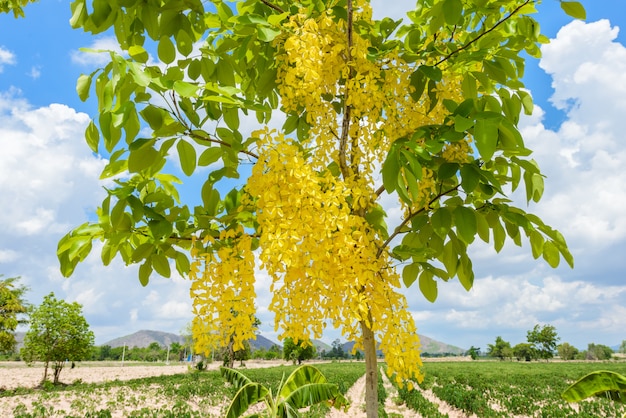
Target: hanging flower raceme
[
  {"x": 324, "y": 259},
  {"x": 222, "y": 290}
]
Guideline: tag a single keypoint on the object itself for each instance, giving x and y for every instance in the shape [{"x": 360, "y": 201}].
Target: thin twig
[
  {"x": 456, "y": 51},
  {"x": 272, "y": 6},
  {"x": 220, "y": 142},
  {"x": 398, "y": 229},
  {"x": 347, "y": 110}
]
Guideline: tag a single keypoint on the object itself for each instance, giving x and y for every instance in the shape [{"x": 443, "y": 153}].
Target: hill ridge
[{"x": 144, "y": 338}]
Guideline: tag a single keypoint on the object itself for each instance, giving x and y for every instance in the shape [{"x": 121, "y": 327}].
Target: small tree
[
  {"x": 622, "y": 347},
  {"x": 12, "y": 311},
  {"x": 599, "y": 352},
  {"x": 567, "y": 351},
  {"x": 297, "y": 352},
  {"x": 473, "y": 352},
  {"x": 543, "y": 340},
  {"x": 501, "y": 349},
  {"x": 58, "y": 332},
  {"x": 524, "y": 351}
]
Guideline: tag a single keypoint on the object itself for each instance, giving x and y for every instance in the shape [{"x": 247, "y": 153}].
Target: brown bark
[{"x": 371, "y": 372}]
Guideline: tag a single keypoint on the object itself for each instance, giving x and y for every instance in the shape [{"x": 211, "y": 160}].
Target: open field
[{"x": 453, "y": 389}]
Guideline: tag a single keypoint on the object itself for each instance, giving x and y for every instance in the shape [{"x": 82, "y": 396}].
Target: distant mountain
[
  {"x": 430, "y": 346},
  {"x": 321, "y": 346},
  {"x": 262, "y": 343},
  {"x": 144, "y": 338}
]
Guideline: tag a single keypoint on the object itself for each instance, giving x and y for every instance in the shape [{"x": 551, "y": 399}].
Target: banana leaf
[{"x": 602, "y": 383}]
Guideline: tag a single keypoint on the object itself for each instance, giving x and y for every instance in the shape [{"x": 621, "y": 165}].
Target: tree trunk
[
  {"x": 371, "y": 372},
  {"x": 58, "y": 366},
  {"x": 45, "y": 372}
]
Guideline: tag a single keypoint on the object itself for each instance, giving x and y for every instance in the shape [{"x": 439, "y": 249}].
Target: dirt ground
[
  {"x": 13, "y": 375},
  {"x": 16, "y": 374}
]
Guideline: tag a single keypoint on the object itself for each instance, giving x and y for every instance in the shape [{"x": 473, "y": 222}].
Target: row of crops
[
  {"x": 508, "y": 389},
  {"x": 194, "y": 394},
  {"x": 485, "y": 389}
]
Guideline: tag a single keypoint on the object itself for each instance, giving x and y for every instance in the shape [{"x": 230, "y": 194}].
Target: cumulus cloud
[
  {"x": 584, "y": 158},
  {"x": 96, "y": 54},
  {"x": 6, "y": 58}
]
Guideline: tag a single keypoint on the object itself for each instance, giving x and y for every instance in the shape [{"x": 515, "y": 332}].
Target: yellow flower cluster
[
  {"x": 458, "y": 152},
  {"x": 324, "y": 259},
  {"x": 222, "y": 290}
]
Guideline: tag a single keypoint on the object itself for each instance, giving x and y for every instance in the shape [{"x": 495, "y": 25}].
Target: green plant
[
  {"x": 58, "y": 332},
  {"x": 602, "y": 383},
  {"x": 304, "y": 387}
]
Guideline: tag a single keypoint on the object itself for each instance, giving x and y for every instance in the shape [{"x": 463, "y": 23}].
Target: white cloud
[
  {"x": 584, "y": 159},
  {"x": 6, "y": 58},
  {"x": 47, "y": 174},
  {"x": 7, "y": 256},
  {"x": 99, "y": 55},
  {"x": 34, "y": 73}
]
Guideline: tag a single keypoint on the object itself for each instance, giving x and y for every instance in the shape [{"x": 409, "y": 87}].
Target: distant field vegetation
[{"x": 484, "y": 388}]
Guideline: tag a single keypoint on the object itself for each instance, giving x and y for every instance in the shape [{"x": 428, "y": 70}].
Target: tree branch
[
  {"x": 398, "y": 229},
  {"x": 273, "y": 6},
  {"x": 220, "y": 142},
  {"x": 456, "y": 51},
  {"x": 347, "y": 110}
]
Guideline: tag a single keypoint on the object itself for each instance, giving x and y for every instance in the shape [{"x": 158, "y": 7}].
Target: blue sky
[{"x": 49, "y": 183}]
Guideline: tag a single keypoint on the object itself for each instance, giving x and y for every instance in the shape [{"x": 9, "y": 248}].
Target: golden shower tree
[{"x": 346, "y": 111}]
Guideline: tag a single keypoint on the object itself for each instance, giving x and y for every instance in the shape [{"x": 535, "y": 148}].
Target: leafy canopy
[
  {"x": 348, "y": 110},
  {"x": 13, "y": 307},
  {"x": 58, "y": 332}
]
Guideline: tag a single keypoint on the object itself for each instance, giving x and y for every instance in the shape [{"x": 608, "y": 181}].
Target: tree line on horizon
[{"x": 542, "y": 344}]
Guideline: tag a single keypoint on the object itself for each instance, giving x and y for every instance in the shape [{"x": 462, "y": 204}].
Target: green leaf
[
  {"x": 248, "y": 395},
  {"x": 434, "y": 73},
  {"x": 83, "y": 85},
  {"x": 465, "y": 272},
  {"x": 182, "y": 264},
  {"x": 428, "y": 286},
  {"x": 138, "y": 53},
  {"x": 441, "y": 221},
  {"x": 409, "y": 273},
  {"x": 161, "y": 265},
  {"x": 486, "y": 136},
  {"x": 184, "y": 42},
  {"x": 267, "y": 33},
  {"x": 307, "y": 386},
  {"x": 166, "y": 50},
  {"x": 462, "y": 124},
  {"x": 536, "y": 243},
  {"x": 185, "y": 89},
  {"x": 145, "y": 270},
  {"x": 209, "y": 156},
  {"x": 470, "y": 177},
  {"x": 187, "y": 156},
  {"x": 551, "y": 254},
  {"x": 465, "y": 222},
  {"x": 142, "y": 159},
  {"x": 603, "y": 384},
  {"x": 231, "y": 117},
  {"x": 210, "y": 198},
  {"x": 390, "y": 171},
  {"x": 92, "y": 136},
  {"x": 452, "y": 11},
  {"x": 574, "y": 9},
  {"x": 142, "y": 252}
]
